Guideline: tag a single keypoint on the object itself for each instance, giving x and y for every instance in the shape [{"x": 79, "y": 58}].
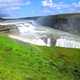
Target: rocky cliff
[{"x": 65, "y": 22}]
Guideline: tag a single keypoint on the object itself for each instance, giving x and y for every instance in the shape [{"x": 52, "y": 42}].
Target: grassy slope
[{"x": 28, "y": 62}]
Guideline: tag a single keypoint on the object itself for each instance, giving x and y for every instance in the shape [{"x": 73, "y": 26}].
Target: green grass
[{"x": 20, "y": 61}]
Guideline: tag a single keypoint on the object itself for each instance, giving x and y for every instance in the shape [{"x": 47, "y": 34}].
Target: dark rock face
[
  {"x": 68, "y": 22},
  {"x": 52, "y": 41}
]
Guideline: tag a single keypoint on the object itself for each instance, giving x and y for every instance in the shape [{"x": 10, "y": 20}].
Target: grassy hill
[{"x": 20, "y": 61}]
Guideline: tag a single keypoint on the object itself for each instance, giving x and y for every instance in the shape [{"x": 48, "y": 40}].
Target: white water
[{"x": 28, "y": 33}]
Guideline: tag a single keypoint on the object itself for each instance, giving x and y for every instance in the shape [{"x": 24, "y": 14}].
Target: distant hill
[{"x": 23, "y": 18}]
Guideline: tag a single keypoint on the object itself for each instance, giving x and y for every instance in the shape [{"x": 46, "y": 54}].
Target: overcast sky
[{"x": 25, "y": 8}]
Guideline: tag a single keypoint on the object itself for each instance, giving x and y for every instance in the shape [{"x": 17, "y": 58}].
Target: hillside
[{"x": 19, "y": 61}]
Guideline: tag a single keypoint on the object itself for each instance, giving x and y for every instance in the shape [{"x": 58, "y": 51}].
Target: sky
[{"x": 29, "y": 8}]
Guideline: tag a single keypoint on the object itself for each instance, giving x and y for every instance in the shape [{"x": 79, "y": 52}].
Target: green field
[{"x": 19, "y": 61}]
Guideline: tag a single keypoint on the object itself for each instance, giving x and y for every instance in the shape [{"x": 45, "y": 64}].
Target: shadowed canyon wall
[{"x": 66, "y": 22}]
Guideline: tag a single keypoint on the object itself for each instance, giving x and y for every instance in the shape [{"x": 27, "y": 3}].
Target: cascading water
[{"x": 60, "y": 31}]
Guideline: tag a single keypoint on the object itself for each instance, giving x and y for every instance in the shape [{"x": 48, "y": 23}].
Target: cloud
[
  {"x": 50, "y": 6},
  {"x": 47, "y": 3},
  {"x": 13, "y": 3},
  {"x": 12, "y": 6}
]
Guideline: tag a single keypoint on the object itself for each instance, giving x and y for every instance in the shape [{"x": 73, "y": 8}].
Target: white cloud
[
  {"x": 12, "y": 6},
  {"x": 60, "y": 6},
  {"x": 47, "y": 3},
  {"x": 13, "y": 3}
]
